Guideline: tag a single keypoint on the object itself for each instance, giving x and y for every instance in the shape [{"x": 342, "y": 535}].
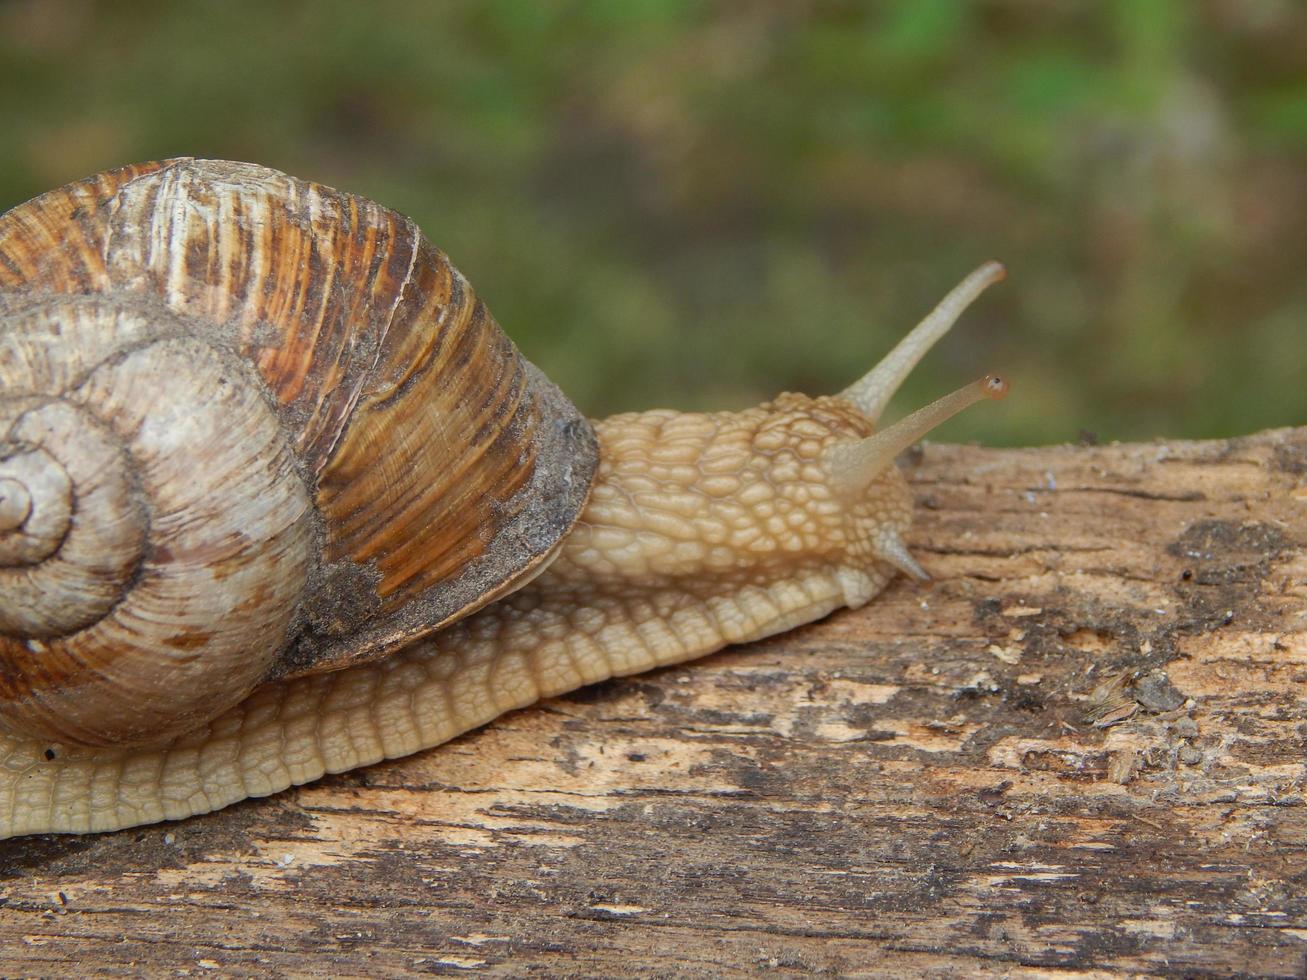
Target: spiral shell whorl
[
  {"x": 15, "y": 509},
  {"x": 219, "y": 328},
  {"x": 35, "y": 507},
  {"x": 128, "y": 548},
  {"x": 61, "y": 575}
]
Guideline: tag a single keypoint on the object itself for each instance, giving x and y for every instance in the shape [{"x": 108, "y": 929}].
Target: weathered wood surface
[{"x": 1080, "y": 751}]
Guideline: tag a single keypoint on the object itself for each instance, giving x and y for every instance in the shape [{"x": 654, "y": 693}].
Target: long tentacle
[{"x": 872, "y": 392}]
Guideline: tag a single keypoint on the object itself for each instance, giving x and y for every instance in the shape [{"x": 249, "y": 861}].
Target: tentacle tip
[
  {"x": 994, "y": 387},
  {"x": 890, "y": 548},
  {"x": 919, "y": 574},
  {"x": 994, "y": 271}
]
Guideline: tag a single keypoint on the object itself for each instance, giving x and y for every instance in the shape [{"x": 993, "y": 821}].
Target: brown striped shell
[{"x": 250, "y": 427}]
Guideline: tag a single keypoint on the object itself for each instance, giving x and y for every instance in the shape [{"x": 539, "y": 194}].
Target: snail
[{"x": 278, "y": 498}]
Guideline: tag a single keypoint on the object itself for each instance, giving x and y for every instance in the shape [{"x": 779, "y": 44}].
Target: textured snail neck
[{"x": 730, "y": 507}]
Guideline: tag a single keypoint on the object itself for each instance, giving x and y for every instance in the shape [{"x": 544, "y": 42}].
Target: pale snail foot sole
[{"x": 509, "y": 656}]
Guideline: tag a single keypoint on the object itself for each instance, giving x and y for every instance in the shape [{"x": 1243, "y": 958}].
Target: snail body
[{"x": 401, "y": 530}]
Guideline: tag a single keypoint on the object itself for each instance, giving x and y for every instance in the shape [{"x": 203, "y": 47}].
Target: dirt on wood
[{"x": 1080, "y": 750}]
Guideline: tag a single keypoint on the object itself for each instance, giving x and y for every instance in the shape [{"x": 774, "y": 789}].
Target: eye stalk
[
  {"x": 872, "y": 392},
  {"x": 853, "y": 465}
]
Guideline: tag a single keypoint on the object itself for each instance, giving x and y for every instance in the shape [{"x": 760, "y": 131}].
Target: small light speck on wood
[{"x": 928, "y": 785}]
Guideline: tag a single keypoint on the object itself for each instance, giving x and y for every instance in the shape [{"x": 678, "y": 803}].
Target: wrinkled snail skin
[{"x": 700, "y": 530}]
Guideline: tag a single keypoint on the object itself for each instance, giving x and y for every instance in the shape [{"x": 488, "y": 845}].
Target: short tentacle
[{"x": 890, "y": 547}]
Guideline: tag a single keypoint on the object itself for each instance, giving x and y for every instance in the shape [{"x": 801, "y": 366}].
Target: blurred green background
[{"x": 696, "y": 203}]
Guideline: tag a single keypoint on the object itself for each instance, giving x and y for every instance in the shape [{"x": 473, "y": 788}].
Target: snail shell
[{"x": 250, "y": 427}]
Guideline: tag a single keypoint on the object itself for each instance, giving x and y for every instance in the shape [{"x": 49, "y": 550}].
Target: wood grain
[{"x": 1080, "y": 751}]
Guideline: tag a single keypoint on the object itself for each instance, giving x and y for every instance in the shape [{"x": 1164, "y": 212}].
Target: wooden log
[{"x": 1080, "y": 749}]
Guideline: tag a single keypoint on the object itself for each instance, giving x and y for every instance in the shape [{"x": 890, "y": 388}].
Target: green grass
[{"x": 698, "y": 204}]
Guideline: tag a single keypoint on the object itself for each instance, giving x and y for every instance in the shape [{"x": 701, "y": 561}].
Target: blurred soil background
[{"x": 698, "y": 204}]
